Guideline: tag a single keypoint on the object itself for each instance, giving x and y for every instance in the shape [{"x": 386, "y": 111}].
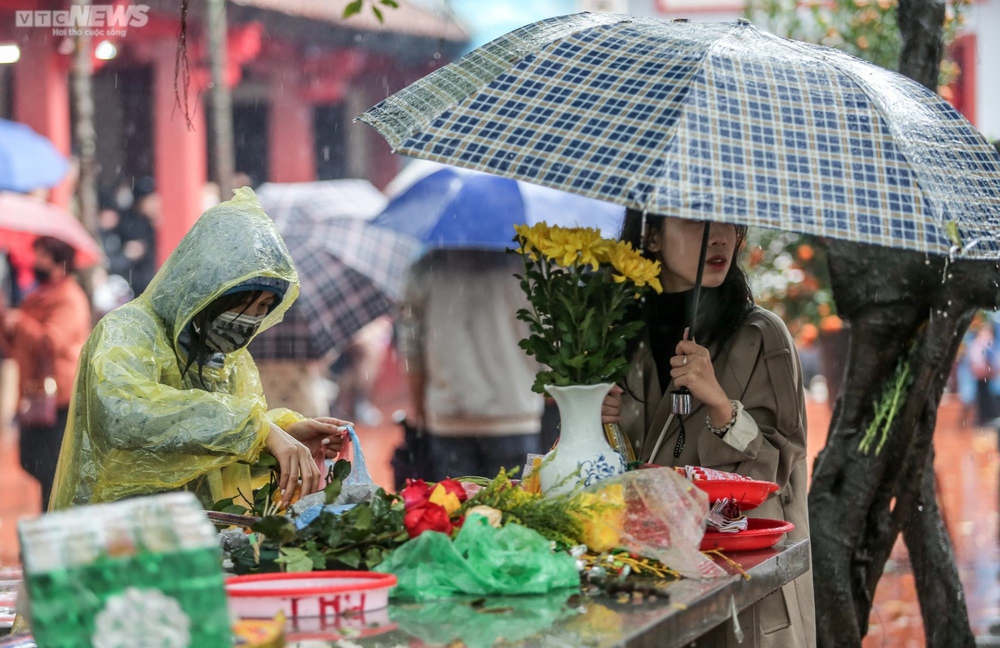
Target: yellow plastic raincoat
[{"x": 135, "y": 426}]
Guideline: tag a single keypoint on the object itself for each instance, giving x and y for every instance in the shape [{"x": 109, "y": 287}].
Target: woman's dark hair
[
  {"x": 198, "y": 350},
  {"x": 61, "y": 253},
  {"x": 734, "y": 297}
]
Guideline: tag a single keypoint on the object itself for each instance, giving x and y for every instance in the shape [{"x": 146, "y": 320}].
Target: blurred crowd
[{"x": 976, "y": 375}]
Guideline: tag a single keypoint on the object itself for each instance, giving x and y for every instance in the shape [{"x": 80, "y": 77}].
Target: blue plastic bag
[{"x": 358, "y": 487}]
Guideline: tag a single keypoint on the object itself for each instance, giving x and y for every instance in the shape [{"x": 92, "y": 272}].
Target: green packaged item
[
  {"x": 481, "y": 560},
  {"x": 103, "y": 575}
]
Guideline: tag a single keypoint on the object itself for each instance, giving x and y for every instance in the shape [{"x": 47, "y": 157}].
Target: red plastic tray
[
  {"x": 748, "y": 493},
  {"x": 760, "y": 533}
]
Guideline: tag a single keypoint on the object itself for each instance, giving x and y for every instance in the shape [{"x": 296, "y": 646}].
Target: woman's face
[
  {"x": 259, "y": 307},
  {"x": 678, "y": 246}
]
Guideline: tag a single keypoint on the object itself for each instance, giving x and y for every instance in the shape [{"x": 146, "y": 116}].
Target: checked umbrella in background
[
  {"x": 351, "y": 273},
  {"x": 348, "y": 198},
  {"x": 713, "y": 121}
]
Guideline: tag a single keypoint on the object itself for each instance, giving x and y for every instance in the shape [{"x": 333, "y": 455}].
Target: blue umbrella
[
  {"x": 28, "y": 160},
  {"x": 455, "y": 208}
]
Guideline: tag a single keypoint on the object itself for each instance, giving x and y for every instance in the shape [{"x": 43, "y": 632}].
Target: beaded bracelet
[{"x": 721, "y": 432}]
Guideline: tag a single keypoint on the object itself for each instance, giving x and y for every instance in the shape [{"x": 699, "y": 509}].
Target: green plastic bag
[{"x": 482, "y": 561}]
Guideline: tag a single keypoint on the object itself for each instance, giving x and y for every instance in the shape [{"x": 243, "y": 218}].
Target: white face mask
[{"x": 229, "y": 332}]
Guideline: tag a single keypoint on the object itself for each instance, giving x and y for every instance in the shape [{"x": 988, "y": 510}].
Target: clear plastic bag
[{"x": 663, "y": 517}]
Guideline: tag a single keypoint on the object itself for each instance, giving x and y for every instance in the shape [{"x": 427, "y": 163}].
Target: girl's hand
[
  {"x": 611, "y": 409},
  {"x": 295, "y": 461},
  {"x": 323, "y": 435},
  {"x": 692, "y": 368}
]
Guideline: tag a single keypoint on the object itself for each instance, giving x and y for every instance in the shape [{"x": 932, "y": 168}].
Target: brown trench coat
[{"x": 759, "y": 367}]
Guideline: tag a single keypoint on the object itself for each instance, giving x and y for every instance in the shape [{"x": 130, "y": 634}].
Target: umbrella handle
[
  {"x": 680, "y": 399},
  {"x": 693, "y": 316}
]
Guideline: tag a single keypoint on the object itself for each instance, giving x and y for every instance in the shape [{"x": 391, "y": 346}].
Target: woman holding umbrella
[
  {"x": 748, "y": 412},
  {"x": 169, "y": 398}
]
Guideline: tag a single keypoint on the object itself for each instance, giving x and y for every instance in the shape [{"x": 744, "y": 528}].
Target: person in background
[
  {"x": 470, "y": 382},
  {"x": 360, "y": 366},
  {"x": 983, "y": 358},
  {"x": 136, "y": 231},
  {"x": 748, "y": 403},
  {"x": 45, "y": 336},
  {"x": 242, "y": 179},
  {"x": 169, "y": 398}
]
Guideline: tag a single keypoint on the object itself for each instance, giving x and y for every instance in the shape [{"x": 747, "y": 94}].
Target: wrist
[
  {"x": 722, "y": 429},
  {"x": 720, "y": 412}
]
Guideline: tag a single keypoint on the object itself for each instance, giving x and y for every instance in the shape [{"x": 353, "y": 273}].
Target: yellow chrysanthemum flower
[{"x": 631, "y": 266}]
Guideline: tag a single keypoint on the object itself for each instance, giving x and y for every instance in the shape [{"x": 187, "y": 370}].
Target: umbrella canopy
[
  {"x": 23, "y": 219},
  {"x": 28, "y": 160},
  {"x": 350, "y": 272},
  {"x": 715, "y": 121},
  {"x": 321, "y": 200},
  {"x": 456, "y": 208}
]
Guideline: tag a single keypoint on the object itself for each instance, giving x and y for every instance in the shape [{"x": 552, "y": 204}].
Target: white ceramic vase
[{"x": 583, "y": 454}]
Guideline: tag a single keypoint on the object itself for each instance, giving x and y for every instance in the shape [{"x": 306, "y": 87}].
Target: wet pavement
[{"x": 967, "y": 466}]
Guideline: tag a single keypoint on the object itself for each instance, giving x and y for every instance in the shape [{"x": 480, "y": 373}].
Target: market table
[{"x": 693, "y": 608}]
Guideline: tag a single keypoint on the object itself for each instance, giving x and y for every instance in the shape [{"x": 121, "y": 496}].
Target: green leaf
[
  {"x": 295, "y": 560},
  {"x": 362, "y": 517},
  {"x": 235, "y": 509},
  {"x": 390, "y": 3},
  {"x": 277, "y": 528},
  {"x": 380, "y": 504},
  {"x": 332, "y": 491},
  {"x": 378, "y": 13},
  {"x": 341, "y": 469},
  {"x": 352, "y": 8},
  {"x": 267, "y": 460},
  {"x": 318, "y": 559},
  {"x": 374, "y": 556},
  {"x": 223, "y": 504},
  {"x": 350, "y": 558}
]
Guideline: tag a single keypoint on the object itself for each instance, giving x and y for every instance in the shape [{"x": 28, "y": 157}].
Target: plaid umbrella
[
  {"x": 321, "y": 200},
  {"x": 710, "y": 121},
  {"x": 350, "y": 271}
]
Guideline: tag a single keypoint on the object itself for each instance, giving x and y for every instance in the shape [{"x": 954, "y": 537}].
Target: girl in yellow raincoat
[{"x": 167, "y": 396}]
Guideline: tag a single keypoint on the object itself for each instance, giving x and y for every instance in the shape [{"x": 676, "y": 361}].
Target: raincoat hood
[{"x": 231, "y": 244}]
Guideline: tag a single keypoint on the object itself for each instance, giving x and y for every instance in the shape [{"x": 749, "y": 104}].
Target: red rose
[
  {"x": 426, "y": 517},
  {"x": 452, "y": 486},
  {"x": 416, "y": 492}
]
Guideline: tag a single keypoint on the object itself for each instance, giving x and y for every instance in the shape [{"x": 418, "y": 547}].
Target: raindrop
[
  {"x": 326, "y": 153},
  {"x": 920, "y": 508},
  {"x": 437, "y": 55}
]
